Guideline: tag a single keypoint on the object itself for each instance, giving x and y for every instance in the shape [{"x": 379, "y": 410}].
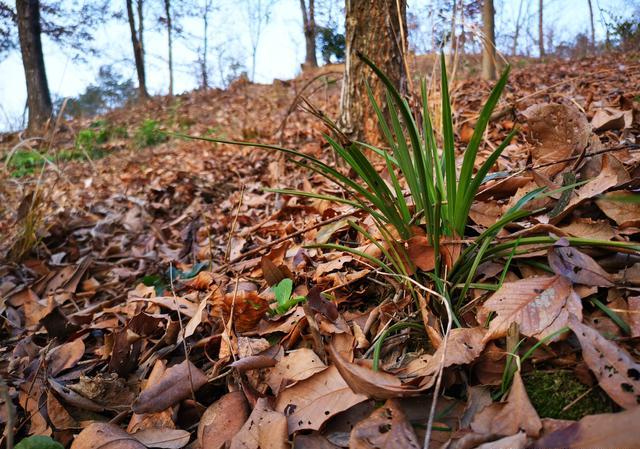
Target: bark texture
[
  {"x": 309, "y": 24},
  {"x": 541, "y": 29},
  {"x": 38, "y": 96},
  {"x": 489, "y": 48},
  {"x": 167, "y": 11},
  {"x": 373, "y": 28},
  {"x": 138, "y": 51}
]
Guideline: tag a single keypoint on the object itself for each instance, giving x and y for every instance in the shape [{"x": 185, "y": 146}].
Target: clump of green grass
[{"x": 149, "y": 134}]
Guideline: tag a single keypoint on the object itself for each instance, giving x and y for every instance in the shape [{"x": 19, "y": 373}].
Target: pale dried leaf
[
  {"x": 386, "y": 428},
  {"x": 222, "y": 420}
]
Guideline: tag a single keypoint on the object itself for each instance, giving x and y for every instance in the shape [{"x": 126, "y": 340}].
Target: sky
[{"x": 280, "y": 51}]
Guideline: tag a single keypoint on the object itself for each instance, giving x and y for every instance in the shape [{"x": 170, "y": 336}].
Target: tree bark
[
  {"x": 38, "y": 96},
  {"x": 167, "y": 10},
  {"x": 489, "y": 49},
  {"x": 373, "y": 29},
  {"x": 309, "y": 25},
  {"x": 516, "y": 33},
  {"x": 205, "y": 45},
  {"x": 593, "y": 28},
  {"x": 138, "y": 52},
  {"x": 541, "y": 30}
]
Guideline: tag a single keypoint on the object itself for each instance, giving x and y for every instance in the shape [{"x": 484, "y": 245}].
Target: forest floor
[{"x": 139, "y": 287}]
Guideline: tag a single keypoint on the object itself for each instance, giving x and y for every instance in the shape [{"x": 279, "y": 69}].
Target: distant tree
[
  {"x": 489, "y": 47},
  {"x": 516, "y": 33},
  {"x": 540, "y": 29},
  {"x": 137, "y": 32},
  {"x": 110, "y": 91},
  {"x": 309, "y": 28},
  {"x": 331, "y": 43},
  {"x": 593, "y": 28},
  {"x": 373, "y": 28},
  {"x": 38, "y": 96},
  {"x": 167, "y": 11},
  {"x": 258, "y": 14},
  {"x": 203, "y": 57},
  {"x": 64, "y": 23}
]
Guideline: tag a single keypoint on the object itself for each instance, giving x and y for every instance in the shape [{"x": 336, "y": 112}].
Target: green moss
[
  {"x": 558, "y": 394},
  {"x": 149, "y": 134}
]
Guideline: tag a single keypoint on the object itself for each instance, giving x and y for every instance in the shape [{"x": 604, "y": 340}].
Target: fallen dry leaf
[
  {"x": 309, "y": 403},
  {"x": 65, "y": 356},
  {"x": 540, "y": 306},
  {"x": 578, "y": 267},
  {"x": 624, "y": 213},
  {"x": 264, "y": 429},
  {"x": 105, "y": 436},
  {"x": 617, "y": 430},
  {"x": 177, "y": 383},
  {"x": 386, "y": 428},
  {"x": 163, "y": 438},
  {"x": 293, "y": 367},
  {"x": 222, "y": 420},
  {"x": 616, "y": 371}
]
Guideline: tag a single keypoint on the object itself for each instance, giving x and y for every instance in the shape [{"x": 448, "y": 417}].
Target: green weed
[{"x": 149, "y": 134}]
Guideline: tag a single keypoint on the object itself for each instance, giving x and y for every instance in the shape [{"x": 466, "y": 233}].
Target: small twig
[{"x": 233, "y": 225}]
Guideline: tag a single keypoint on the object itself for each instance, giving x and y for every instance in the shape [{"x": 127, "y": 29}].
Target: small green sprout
[{"x": 282, "y": 290}]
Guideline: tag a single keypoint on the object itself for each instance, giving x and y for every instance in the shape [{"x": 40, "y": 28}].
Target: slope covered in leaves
[{"x": 151, "y": 309}]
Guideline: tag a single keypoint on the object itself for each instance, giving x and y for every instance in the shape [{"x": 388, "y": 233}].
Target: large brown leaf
[
  {"x": 617, "y": 373},
  {"x": 624, "y": 213},
  {"x": 293, "y": 367},
  {"x": 223, "y": 420},
  {"x": 373, "y": 384},
  {"x": 539, "y": 305},
  {"x": 619, "y": 430},
  {"x": 177, "y": 383},
  {"x": 386, "y": 428},
  {"x": 508, "y": 418},
  {"x": 557, "y": 132},
  {"x": 309, "y": 403},
  {"x": 265, "y": 429},
  {"x": 105, "y": 436},
  {"x": 578, "y": 267}
]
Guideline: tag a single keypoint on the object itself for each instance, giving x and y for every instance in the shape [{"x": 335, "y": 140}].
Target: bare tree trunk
[
  {"x": 489, "y": 49},
  {"x": 541, "y": 31},
  {"x": 167, "y": 10},
  {"x": 38, "y": 96},
  {"x": 373, "y": 29},
  {"x": 514, "y": 48},
  {"x": 138, "y": 52},
  {"x": 309, "y": 25},
  {"x": 593, "y": 29},
  {"x": 205, "y": 46}
]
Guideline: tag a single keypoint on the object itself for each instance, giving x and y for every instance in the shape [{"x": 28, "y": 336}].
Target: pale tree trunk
[
  {"x": 489, "y": 49},
  {"x": 138, "y": 52},
  {"x": 38, "y": 96},
  {"x": 205, "y": 45},
  {"x": 593, "y": 29},
  {"x": 309, "y": 25},
  {"x": 516, "y": 34},
  {"x": 167, "y": 10},
  {"x": 373, "y": 28},
  {"x": 541, "y": 30}
]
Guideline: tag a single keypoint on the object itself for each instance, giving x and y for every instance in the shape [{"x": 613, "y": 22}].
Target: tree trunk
[
  {"x": 372, "y": 28},
  {"x": 541, "y": 31},
  {"x": 138, "y": 53},
  {"x": 38, "y": 96},
  {"x": 514, "y": 48},
  {"x": 205, "y": 46},
  {"x": 593, "y": 29},
  {"x": 167, "y": 11},
  {"x": 309, "y": 24},
  {"x": 489, "y": 49}
]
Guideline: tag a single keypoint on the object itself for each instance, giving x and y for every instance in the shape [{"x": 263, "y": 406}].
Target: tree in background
[
  {"x": 489, "y": 41},
  {"x": 332, "y": 44},
  {"x": 374, "y": 28},
  {"x": 309, "y": 28},
  {"x": 167, "y": 11},
  {"x": 203, "y": 55},
  {"x": 137, "y": 42},
  {"x": 540, "y": 29},
  {"x": 38, "y": 96},
  {"x": 258, "y": 14},
  {"x": 108, "y": 92},
  {"x": 68, "y": 25}
]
